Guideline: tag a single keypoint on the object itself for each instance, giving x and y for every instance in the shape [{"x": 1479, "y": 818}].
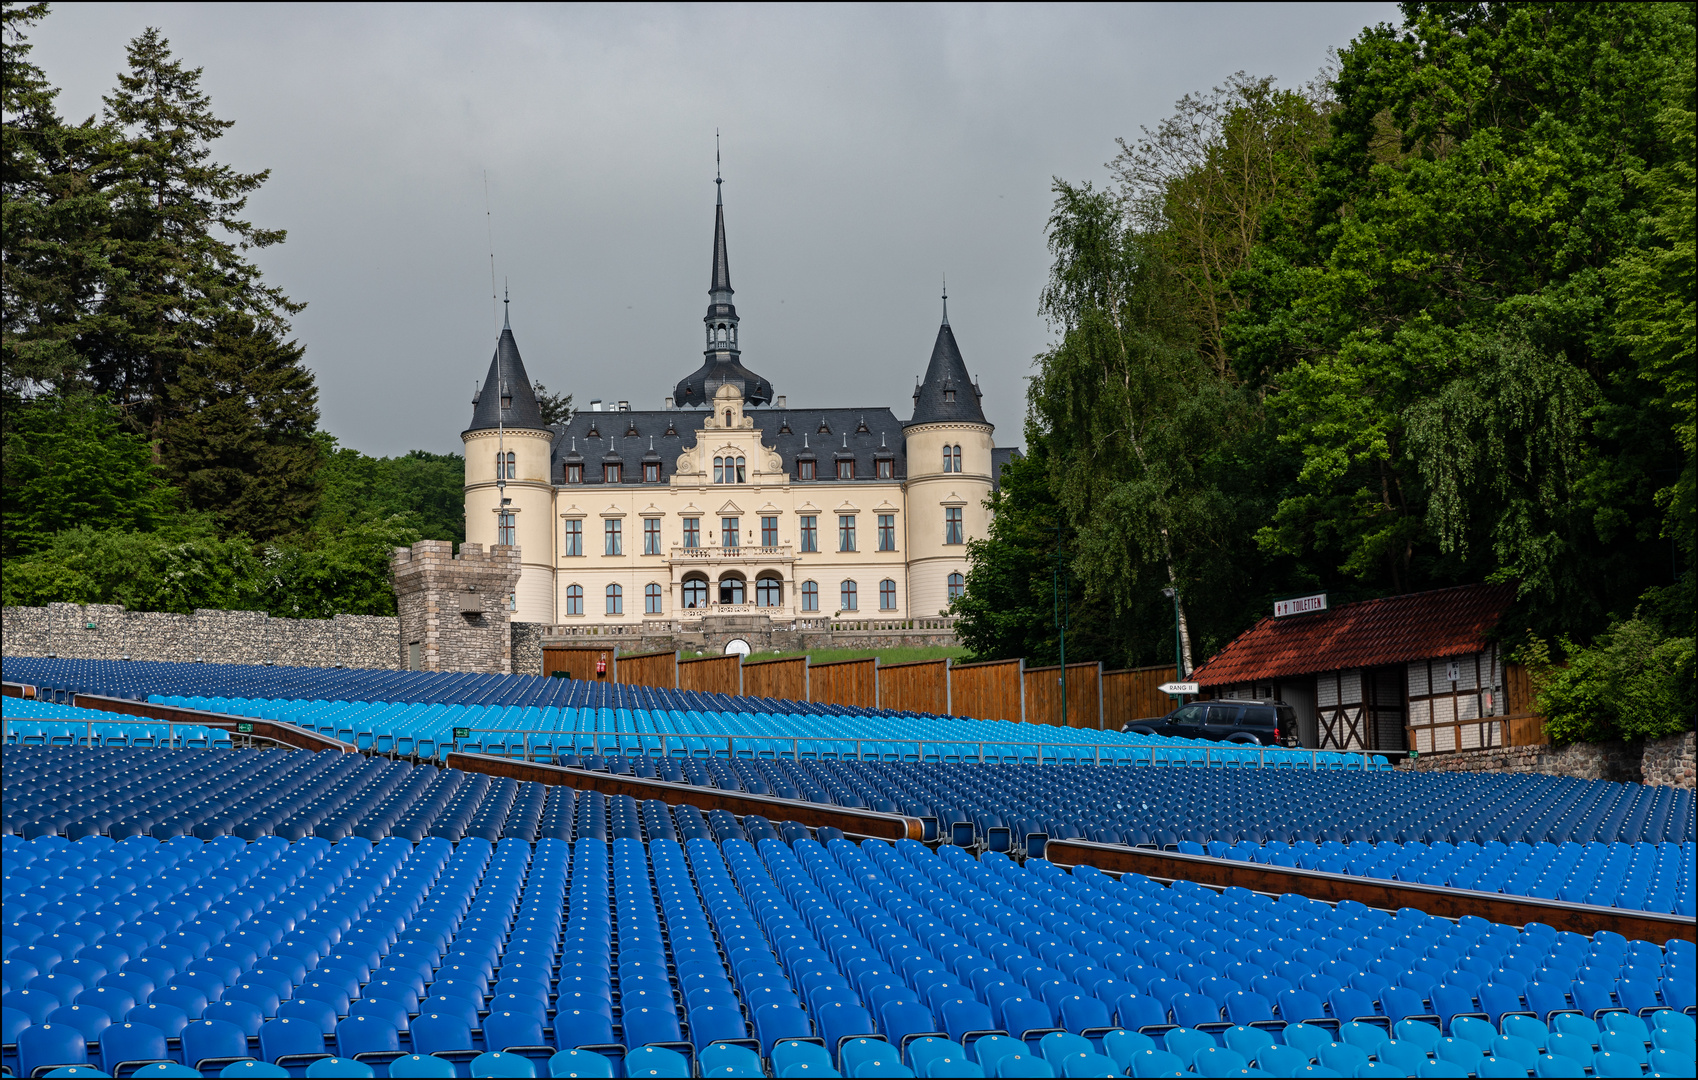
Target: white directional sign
[
  {"x": 1180, "y": 688},
  {"x": 1300, "y": 605}
]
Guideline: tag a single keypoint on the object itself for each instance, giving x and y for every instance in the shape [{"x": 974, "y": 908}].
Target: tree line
[
  {"x": 160, "y": 427},
  {"x": 1425, "y": 321}
]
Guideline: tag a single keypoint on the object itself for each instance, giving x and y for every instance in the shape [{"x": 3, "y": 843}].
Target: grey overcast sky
[{"x": 867, "y": 151}]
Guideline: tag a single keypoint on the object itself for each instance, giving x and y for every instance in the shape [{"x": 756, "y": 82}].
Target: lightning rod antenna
[{"x": 489, "y": 229}]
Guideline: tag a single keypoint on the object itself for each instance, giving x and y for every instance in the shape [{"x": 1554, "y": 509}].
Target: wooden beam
[
  {"x": 863, "y": 824},
  {"x": 275, "y": 730},
  {"x": 1375, "y": 892}
]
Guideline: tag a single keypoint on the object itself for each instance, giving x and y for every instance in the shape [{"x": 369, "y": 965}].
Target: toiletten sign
[{"x": 1301, "y": 605}]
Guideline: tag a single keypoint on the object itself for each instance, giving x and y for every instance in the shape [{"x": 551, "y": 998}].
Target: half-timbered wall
[
  {"x": 1452, "y": 702},
  {"x": 1338, "y": 710}
]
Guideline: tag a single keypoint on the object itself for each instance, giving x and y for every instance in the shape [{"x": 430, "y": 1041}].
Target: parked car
[{"x": 1270, "y": 723}]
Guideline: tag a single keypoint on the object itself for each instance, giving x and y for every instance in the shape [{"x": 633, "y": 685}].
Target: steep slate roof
[
  {"x": 505, "y": 369},
  {"x": 1393, "y": 630},
  {"x": 721, "y": 365},
  {"x": 614, "y": 440},
  {"x": 947, "y": 371},
  {"x": 1001, "y": 456}
]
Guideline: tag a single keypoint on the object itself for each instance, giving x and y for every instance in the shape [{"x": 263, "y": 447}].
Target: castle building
[{"x": 728, "y": 501}]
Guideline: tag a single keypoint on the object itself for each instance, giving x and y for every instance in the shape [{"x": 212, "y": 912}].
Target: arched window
[
  {"x": 887, "y": 595},
  {"x": 695, "y": 593},
  {"x": 957, "y": 457},
  {"x": 957, "y": 585},
  {"x": 769, "y": 592},
  {"x": 574, "y": 599},
  {"x": 742, "y": 477},
  {"x": 810, "y": 596},
  {"x": 504, "y": 465},
  {"x": 847, "y": 596},
  {"x": 727, "y": 417},
  {"x": 719, "y": 470},
  {"x": 731, "y": 590},
  {"x": 615, "y": 600},
  {"x": 948, "y": 459},
  {"x": 651, "y": 599}
]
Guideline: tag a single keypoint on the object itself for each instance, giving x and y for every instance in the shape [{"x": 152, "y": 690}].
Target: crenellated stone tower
[{"x": 454, "y": 608}]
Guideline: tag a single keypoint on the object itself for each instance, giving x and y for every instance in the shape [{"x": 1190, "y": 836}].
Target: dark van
[{"x": 1270, "y": 723}]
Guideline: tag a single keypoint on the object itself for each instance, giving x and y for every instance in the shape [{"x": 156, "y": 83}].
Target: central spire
[{"x": 721, "y": 357}]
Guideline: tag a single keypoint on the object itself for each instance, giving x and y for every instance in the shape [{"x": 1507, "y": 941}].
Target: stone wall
[
  {"x": 1659, "y": 761},
  {"x": 527, "y": 648},
  {"x": 455, "y": 607},
  {"x": 108, "y": 632},
  {"x": 1670, "y": 761}
]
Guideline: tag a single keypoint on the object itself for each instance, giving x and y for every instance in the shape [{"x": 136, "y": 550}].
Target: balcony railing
[{"x": 749, "y": 553}]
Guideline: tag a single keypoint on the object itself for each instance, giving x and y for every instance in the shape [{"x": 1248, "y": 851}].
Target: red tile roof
[{"x": 1395, "y": 630}]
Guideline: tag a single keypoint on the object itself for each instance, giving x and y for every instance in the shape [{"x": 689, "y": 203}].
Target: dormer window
[
  {"x": 949, "y": 395},
  {"x": 886, "y": 469},
  {"x": 574, "y": 474},
  {"x": 805, "y": 470},
  {"x": 727, "y": 417},
  {"x": 610, "y": 472},
  {"x": 651, "y": 472},
  {"x": 846, "y": 469}
]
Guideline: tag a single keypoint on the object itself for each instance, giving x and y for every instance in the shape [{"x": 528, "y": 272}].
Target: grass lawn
[{"x": 885, "y": 656}]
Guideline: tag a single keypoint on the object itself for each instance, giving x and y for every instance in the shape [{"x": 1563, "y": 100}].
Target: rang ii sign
[{"x": 1300, "y": 605}]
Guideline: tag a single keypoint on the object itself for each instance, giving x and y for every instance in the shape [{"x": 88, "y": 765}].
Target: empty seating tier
[{"x": 775, "y": 958}]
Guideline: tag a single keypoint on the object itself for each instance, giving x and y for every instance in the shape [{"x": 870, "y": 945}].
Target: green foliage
[
  {"x": 179, "y": 568},
  {"x": 70, "y": 464},
  {"x": 340, "y": 571},
  {"x": 425, "y": 491},
  {"x": 555, "y": 408},
  {"x": 1441, "y": 336},
  {"x": 54, "y": 219},
  {"x": 239, "y": 442},
  {"x": 1632, "y": 683}
]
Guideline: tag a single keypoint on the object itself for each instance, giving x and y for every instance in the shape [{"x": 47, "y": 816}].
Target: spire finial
[
  {"x": 506, "y": 324},
  {"x": 719, "y": 192},
  {"x": 946, "y": 299}
]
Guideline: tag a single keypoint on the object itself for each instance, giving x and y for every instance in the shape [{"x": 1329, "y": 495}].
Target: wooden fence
[
  {"x": 992, "y": 690},
  {"x": 1130, "y": 694},
  {"x": 1084, "y": 685},
  {"x": 713, "y": 675},
  {"x": 786, "y": 678},
  {"x": 920, "y": 686},
  {"x": 575, "y": 663},
  {"x": 845, "y": 682},
  {"x": 649, "y": 669}
]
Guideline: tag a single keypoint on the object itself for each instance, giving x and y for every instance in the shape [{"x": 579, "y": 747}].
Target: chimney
[
  {"x": 624, "y": 406},
  {"x": 667, "y": 406},
  {"x": 595, "y": 404},
  {"x": 779, "y": 404}
]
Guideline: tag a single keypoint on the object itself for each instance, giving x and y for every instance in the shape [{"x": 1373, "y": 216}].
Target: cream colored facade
[{"x": 897, "y": 552}]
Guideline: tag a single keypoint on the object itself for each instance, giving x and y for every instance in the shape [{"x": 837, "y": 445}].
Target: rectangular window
[
  {"x": 614, "y": 529},
  {"x": 610, "y": 473},
  {"x": 845, "y": 532},
  {"x": 692, "y": 532},
  {"x": 805, "y": 470},
  {"x": 651, "y": 536},
  {"x": 651, "y": 472},
  {"x": 887, "y": 532},
  {"x": 847, "y": 596},
  {"x": 886, "y": 469},
  {"x": 769, "y": 532},
  {"x": 504, "y": 528},
  {"x": 729, "y": 533},
  {"x": 952, "y": 531},
  {"x": 810, "y": 532},
  {"x": 846, "y": 470},
  {"x": 574, "y": 474},
  {"x": 574, "y": 537}
]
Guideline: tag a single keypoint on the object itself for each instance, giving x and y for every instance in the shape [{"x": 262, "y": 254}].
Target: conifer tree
[
  {"x": 238, "y": 441},
  {"x": 180, "y": 242}
]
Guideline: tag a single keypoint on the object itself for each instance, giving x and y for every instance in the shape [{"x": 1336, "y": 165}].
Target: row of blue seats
[{"x": 42, "y": 723}]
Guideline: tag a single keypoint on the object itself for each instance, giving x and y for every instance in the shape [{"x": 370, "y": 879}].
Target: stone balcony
[{"x": 688, "y": 557}]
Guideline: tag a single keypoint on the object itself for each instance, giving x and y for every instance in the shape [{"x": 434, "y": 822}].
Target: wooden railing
[{"x": 1375, "y": 892}]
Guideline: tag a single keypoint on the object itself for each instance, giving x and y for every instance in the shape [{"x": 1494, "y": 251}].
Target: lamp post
[
  {"x": 1178, "y": 651},
  {"x": 1058, "y": 596}
]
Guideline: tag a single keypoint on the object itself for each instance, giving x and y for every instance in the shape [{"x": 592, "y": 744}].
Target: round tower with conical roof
[
  {"x": 509, "y": 494},
  {"x": 950, "y": 474}
]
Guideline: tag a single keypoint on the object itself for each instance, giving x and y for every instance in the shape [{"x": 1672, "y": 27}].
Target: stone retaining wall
[
  {"x": 108, "y": 632},
  {"x": 1658, "y": 761}
]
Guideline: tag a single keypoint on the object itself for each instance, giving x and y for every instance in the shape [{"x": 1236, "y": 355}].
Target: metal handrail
[
  {"x": 88, "y": 727},
  {"x": 1223, "y": 755}
]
